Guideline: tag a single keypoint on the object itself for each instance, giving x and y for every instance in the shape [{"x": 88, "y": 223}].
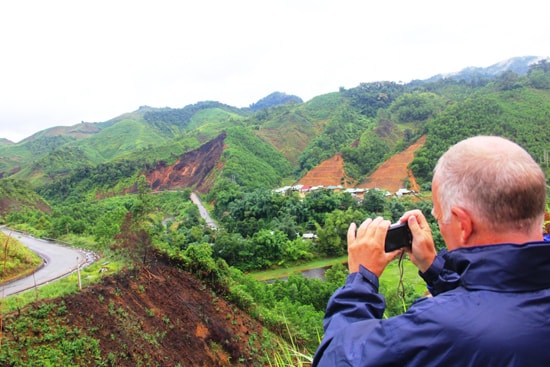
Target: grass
[
  {"x": 390, "y": 277},
  {"x": 16, "y": 259},
  {"x": 288, "y": 354}
]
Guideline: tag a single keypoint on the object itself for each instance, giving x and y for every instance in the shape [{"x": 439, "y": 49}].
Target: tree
[
  {"x": 199, "y": 261},
  {"x": 332, "y": 236},
  {"x": 366, "y": 156},
  {"x": 320, "y": 202},
  {"x": 267, "y": 247},
  {"x": 539, "y": 79},
  {"x": 298, "y": 249},
  {"x": 286, "y": 223},
  {"x": 135, "y": 229},
  {"x": 417, "y": 106},
  {"x": 508, "y": 80},
  {"x": 134, "y": 240},
  {"x": 231, "y": 247},
  {"x": 336, "y": 274},
  {"x": 397, "y": 209},
  {"x": 374, "y": 201},
  {"x": 107, "y": 225}
]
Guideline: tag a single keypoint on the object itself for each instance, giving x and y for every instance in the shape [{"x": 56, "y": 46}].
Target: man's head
[{"x": 492, "y": 180}]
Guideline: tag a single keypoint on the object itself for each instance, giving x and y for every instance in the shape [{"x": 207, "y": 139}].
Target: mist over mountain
[{"x": 519, "y": 65}]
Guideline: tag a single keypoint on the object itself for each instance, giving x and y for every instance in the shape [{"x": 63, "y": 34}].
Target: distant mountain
[
  {"x": 78, "y": 131},
  {"x": 519, "y": 65},
  {"x": 280, "y": 138},
  {"x": 274, "y": 99}
]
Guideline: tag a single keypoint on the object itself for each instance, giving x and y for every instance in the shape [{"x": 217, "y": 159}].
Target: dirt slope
[
  {"x": 392, "y": 173},
  {"x": 328, "y": 173},
  {"x": 191, "y": 170},
  {"x": 389, "y": 176},
  {"x": 162, "y": 316}
]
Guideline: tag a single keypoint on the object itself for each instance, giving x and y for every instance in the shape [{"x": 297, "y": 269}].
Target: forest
[{"x": 101, "y": 199}]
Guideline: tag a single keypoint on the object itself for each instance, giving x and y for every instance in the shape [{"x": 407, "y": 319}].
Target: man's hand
[
  {"x": 422, "y": 252},
  {"x": 366, "y": 246}
]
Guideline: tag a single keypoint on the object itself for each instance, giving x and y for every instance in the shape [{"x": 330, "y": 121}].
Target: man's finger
[
  {"x": 351, "y": 232},
  {"x": 363, "y": 227}
]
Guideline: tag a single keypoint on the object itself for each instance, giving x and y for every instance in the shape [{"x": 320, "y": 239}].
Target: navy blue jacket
[{"x": 491, "y": 307}]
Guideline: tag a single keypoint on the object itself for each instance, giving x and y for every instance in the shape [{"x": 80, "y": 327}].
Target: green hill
[{"x": 520, "y": 114}]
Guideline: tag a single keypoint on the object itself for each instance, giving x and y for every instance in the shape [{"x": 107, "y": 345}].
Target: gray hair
[{"x": 494, "y": 179}]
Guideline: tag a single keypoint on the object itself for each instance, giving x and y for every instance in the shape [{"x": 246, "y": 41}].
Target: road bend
[{"x": 58, "y": 261}]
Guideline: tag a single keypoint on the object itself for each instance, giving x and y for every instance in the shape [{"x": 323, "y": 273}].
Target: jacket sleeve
[
  {"x": 356, "y": 301},
  {"x": 438, "y": 278}
]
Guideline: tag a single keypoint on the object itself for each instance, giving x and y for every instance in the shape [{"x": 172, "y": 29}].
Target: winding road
[{"x": 58, "y": 261}]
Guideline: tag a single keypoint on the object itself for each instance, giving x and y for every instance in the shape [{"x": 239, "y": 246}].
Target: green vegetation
[
  {"x": 274, "y": 99},
  {"x": 252, "y": 163},
  {"x": 18, "y": 197},
  {"x": 519, "y": 114},
  {"x": 52, "y": 345},
  {"x": 17, "y": 260}
]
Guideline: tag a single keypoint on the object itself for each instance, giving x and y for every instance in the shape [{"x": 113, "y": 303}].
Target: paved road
[
  {"x": 59, "y": 261},
  {"x": 202, "y": 210}
]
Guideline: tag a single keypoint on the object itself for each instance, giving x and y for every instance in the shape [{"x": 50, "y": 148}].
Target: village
[{"x": 355, "y": 192}]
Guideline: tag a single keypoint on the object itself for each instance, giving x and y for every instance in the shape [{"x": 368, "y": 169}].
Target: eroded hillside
[
  {"x": 391, "y": 174},
  {"x": 329, "y": 173},
  {"x": 191, "y": 170},
  {"x": 159, "y": 316}
]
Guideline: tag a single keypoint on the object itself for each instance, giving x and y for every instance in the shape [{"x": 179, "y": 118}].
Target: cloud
[{"x": 67, "y": 61}]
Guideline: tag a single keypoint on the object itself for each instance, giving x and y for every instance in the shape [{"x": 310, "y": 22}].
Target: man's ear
[{"x": 465, "y": 222}]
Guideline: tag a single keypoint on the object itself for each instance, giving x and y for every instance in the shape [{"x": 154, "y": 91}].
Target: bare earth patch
[
  {"x": 161, "y": 316},
  {"x": 391, "y": 174}
]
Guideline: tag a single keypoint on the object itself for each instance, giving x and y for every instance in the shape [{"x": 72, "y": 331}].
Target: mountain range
[
  {"x": 518, "y": 65},
  {"x": 280, "y": 138}
]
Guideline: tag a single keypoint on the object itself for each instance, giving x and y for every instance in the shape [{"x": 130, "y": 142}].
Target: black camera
[{"x": 399, "y": 235}]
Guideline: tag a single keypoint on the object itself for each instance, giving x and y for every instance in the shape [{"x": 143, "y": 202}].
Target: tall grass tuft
[{"x": 288, "y": 354}]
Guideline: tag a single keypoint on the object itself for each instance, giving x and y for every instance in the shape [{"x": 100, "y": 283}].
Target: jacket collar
[{"x": 502, "y": 267}]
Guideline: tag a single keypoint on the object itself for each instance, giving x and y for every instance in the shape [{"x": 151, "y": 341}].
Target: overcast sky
[{"x": 63, "y": 62}]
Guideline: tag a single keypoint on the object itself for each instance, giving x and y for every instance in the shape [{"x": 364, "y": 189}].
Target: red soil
[
  {"x": 392, "y": 174},
  {"x": 159, "y": 316},
  {"x": 328, "y": 173}
]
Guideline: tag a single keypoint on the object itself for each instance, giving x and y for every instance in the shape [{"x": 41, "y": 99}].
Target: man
[{"x": 491, "y": 289}]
